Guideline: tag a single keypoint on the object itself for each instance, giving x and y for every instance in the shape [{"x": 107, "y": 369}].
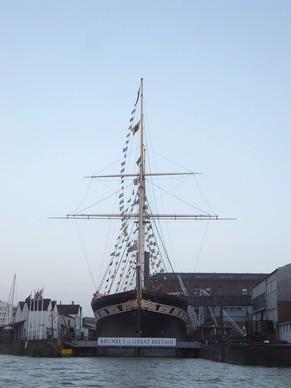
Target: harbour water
[{"x": 22, "y": 372}]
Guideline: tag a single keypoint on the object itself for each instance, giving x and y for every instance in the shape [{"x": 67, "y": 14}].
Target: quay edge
[
  {"x": 34, "y": 348},
  {"x": 271, "y": 355}
]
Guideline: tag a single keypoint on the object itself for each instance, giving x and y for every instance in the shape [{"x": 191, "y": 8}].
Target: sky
[{"x": 217, "y": 89}]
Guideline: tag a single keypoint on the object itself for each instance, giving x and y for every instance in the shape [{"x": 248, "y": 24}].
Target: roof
[
  {"x": 37, "y": 304},
  {"x": 210, "y": 275},
  {"x": 282, "y": 268},
  {"x": 89, "y": 322},
  {"x": 68, "y": 309}
]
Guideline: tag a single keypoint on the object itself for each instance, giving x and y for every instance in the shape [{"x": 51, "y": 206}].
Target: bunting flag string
[
  {"x": 135, "y": 128},
  {"x": 121, "y": 270}
]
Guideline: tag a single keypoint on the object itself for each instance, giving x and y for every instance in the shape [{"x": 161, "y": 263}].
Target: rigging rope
[
  {"x": 179, "y": 199},
  {"x": 99, "y": 201},
  {"x": 203, "y": 196},
  {"x": 163, "y": 245},
  {"x": 201, "y": 246},
  {"x": 85, "y": 195},
  {"x": 85, "y": 255}
]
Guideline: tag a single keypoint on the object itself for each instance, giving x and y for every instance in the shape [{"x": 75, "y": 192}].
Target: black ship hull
[{"x": 156, "y": 315}]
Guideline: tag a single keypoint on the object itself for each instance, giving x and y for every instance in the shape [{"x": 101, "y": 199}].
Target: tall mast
[{"x": 141, "y": 218}]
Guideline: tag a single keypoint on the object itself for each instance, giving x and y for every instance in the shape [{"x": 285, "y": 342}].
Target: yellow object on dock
[{"x": 67, "y": 352}]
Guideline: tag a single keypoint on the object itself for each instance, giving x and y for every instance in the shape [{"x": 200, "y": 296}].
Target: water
[{"x": 19, "y": 372}]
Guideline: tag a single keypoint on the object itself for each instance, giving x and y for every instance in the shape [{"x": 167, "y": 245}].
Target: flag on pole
[
  {"x": 133, "y": 247},
  {"x": 135, "y": 128}
]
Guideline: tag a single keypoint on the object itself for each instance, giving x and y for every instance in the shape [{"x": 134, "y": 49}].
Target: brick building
[
  {"x": 216, "y": 284},
  {"x": 232, "y": 291}
]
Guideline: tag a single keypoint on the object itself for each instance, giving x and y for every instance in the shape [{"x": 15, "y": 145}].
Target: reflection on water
[{"x": 16, "y": 372}]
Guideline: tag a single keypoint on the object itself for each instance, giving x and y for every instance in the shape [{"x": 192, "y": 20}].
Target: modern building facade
[
  {"x": 272, "y": 296},
  {"x": 272, "y": 301}
]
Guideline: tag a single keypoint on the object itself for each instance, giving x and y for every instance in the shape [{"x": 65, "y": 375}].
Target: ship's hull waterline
[{"x": 156, "y": 315}]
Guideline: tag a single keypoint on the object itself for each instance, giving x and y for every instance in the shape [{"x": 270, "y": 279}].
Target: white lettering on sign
[{"x": 136, "y": 342}]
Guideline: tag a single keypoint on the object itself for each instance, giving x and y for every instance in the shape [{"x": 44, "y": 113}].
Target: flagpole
[
  {"x": 29, "y": 319},
  {"x": 37, "y": 315},
  {"x": 34, "y": 316},
  {"x": 42, "y": 313}
]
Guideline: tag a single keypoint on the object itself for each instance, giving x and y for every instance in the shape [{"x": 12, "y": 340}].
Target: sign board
[{"x": 136, "y": 342}]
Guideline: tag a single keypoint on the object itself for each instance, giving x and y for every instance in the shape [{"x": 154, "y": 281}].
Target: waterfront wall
[
  {"x": 249, "y": 354},
  {"x": 37, "y": 348}
]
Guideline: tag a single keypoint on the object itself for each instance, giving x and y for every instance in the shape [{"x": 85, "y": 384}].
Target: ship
[{"x": 127, "y": 304}]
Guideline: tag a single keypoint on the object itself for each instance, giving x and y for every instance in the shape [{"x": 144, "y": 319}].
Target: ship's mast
[{"x": 141, "y": 219}]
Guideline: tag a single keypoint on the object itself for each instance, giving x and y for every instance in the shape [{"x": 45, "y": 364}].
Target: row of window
[
  {"x": 271, "y": 285},
  {"x": 208, "y": 291},
  {"x": 285, "y": 328}
]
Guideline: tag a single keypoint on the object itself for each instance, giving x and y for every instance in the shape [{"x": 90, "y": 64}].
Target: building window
[
  {"x": 244, "y": 291},
  {"x": 220, "y": 291},
  {"x": 271, "y": 285},
  {"x": 196, "y": 291},
  {"x": 208, "y": 291}
]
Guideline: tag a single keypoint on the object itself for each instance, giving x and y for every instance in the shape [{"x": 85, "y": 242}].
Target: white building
[
  {"x": 272, "y": 300},
  {"x": 5, "y": 313},
  {"x": 37, "y": 318},
  {"x": 69, "y": 320},
  {"x": 284, "y": 331},
  {"x": 42, "y": 318}
]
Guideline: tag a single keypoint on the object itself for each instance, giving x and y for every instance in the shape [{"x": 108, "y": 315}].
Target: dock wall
[
  {"x": 37, "y": 348},
  {"x": 278, "y": 355}
]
